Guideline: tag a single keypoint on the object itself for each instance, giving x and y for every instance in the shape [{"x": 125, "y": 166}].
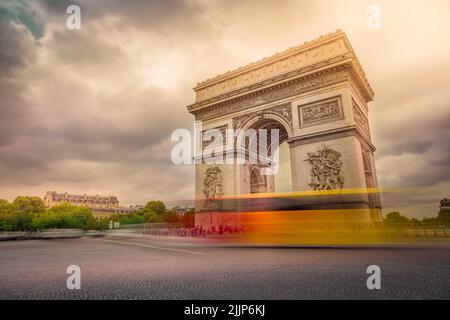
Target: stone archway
[
  {"x": 318, "y": 95},
  {"x": 260, "y": 183}
]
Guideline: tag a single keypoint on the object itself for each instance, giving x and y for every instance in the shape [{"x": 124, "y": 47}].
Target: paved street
[{"x": 168, "y": 269}]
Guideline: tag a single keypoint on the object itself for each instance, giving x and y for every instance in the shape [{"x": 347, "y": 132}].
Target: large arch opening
[{"x": 281, "y": 181}]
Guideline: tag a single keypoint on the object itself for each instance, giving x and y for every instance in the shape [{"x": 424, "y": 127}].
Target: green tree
[
  {"x": 171, "y": 217},
  {"x": 65, "y": 216},
  {"x": 430, "y": 222},
  {"x": 151, "y": 216},
  {"x": 396, "y": 219},
  {"x": 100, "y": 224},
  {"x": 157, "y": 207},
  {"x": 29, "y": 205},
  {"x": 444, "y": 217},
  {"x": 129, "y": 218},
  {"x": 12, "y": 218},
  {"x": 7, "y": 222}
]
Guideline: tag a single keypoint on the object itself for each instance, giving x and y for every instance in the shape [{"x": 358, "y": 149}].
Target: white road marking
[{"x": 155, "y": 247}]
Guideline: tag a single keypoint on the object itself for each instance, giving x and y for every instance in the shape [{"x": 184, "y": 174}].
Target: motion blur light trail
[
  {"x": 304, "y": 193},
  {"x": 312, "y": 227},
  {"x": 292, "y": 219}
]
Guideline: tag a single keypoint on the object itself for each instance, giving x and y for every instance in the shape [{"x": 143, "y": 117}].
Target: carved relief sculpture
[
  {"x": 285, "y": 111},
  {"x": 238, "y": 122},
  {"x": 295, "y": 58},
  {"x": 321, "y": 79},
  {"x": 326, "y": 169},
  {"x": 213, "y": 188},
  {"x": 318, "y": 112},
  {"x": 361, "y": 120}
]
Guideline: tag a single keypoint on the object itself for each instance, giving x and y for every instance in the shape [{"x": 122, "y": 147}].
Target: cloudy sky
[{"x": 92, "y": 110}]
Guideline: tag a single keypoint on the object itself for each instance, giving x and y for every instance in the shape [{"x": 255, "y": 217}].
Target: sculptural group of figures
[
  {"x": 324, "y": 111},
  {"x": 213, "y": 187},
  {"x": 326, "y": 167}
]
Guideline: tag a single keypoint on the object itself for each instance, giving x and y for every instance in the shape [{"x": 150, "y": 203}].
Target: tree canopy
[
  {"x": 65, "y": 216},
  {"x": 395, "y": 218},
  {"x": 31, "y": 205},
  {"x": 157, "y": 207}
]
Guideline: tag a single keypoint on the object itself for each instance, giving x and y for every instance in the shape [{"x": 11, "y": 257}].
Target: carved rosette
[
  {"x": 326, "y": 169},
  {"x": 213, "y": 188}
]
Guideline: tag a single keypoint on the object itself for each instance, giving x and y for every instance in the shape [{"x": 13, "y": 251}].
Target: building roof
[{"x": 55, "y": 194}]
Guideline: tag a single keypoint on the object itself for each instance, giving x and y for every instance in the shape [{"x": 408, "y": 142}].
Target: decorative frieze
[
  {"x": 321, "y": 111},
  {"x": 294, "y": 58},
  {"x": 321, "y": 79},
  {"x": 361, "y": 120}
]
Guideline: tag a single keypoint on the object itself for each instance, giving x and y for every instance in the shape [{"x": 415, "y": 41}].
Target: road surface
[{"x": 173, "y": 269}]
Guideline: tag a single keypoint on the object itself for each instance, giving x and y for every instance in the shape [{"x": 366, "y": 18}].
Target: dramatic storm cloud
[{"x": 92, "y": 110}]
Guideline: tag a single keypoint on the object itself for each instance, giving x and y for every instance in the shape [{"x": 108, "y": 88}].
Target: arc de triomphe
[{"x": 317, "y": 95}]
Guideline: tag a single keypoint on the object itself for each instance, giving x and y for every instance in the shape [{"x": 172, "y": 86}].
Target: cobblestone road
[{"x": 164, "y": 269}]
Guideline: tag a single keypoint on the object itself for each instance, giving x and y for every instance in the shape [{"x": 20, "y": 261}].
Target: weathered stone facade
[
  {"x": 101, "y": 206},
  {"x": 52, "y": 198},
  {"x": 317, "y": 94}
]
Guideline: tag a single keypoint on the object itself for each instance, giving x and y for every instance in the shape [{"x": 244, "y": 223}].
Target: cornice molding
[
  {"x": 278, "y": 91},
  {"x": 332, "y": 134},
  {"x": 324, "y": 51}
]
